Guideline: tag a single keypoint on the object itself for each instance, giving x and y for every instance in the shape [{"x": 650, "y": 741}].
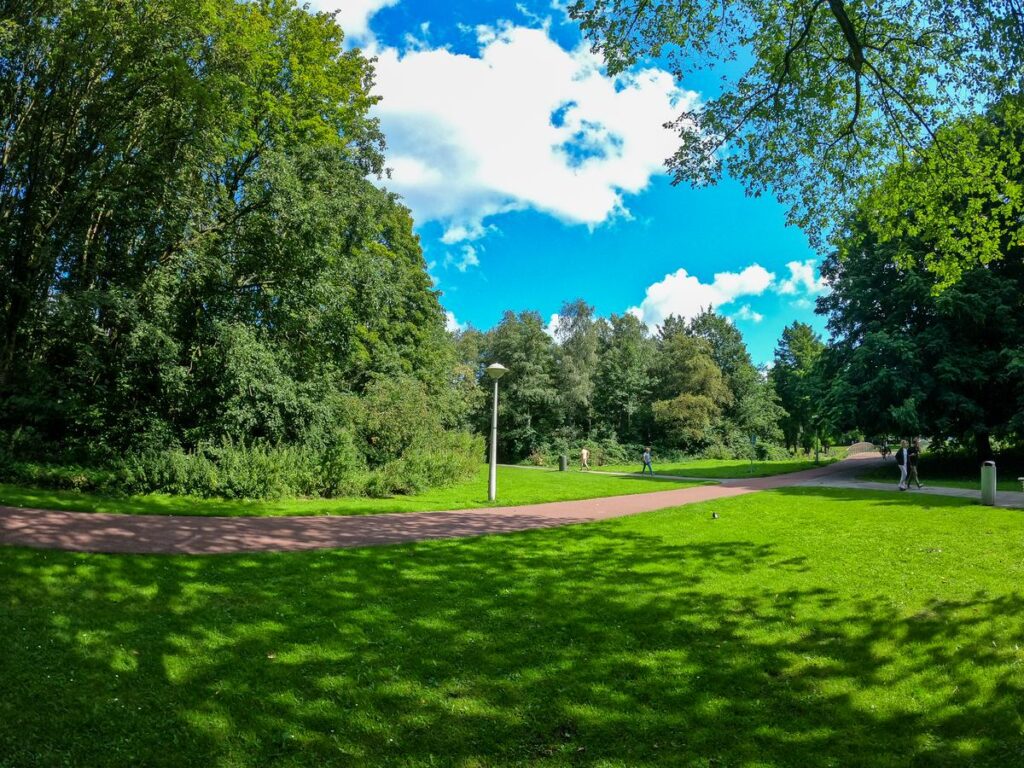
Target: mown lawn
[
  {"x": 515, "y": 486},
  {"x": 716, "y": 469},
  {"x": 805, "y": 627}
]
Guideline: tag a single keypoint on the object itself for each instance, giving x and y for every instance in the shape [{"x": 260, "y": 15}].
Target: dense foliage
[
  {"x": 905, "y": 358},
  {"x": 798, "y": 386},
  {"x": 202, "y": 289},
  {"x": 611, "y": 385},
  {"x": 198, "y": 283}
]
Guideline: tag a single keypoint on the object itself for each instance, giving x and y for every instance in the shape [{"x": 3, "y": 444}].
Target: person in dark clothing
[{"x": 913, "y": 454}]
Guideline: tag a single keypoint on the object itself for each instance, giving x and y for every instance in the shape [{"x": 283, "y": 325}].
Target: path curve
[{"x": 169, "y": 534}]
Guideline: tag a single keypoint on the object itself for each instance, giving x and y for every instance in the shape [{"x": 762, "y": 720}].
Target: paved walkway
[{"x": 161, "y": 534}]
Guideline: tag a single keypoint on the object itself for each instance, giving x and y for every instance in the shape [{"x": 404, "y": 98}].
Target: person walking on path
[
  {"x": 902, "y": 460},
  {"x": 584, "y": 459},
  {"x": 647, "y": 461},
  {"x": 913, "y": 454}
]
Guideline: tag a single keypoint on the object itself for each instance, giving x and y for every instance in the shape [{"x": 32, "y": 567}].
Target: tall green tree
[
  {"x": 692, "y": 391},
  {"x": 753, "y": 410},
  {"x": 624, "y": 377},
  {"x": 725, "y": 344},
  {"x": 190, "y": 249},
  {"x": 529, "y": 405},
  {"x": 967, "y": 209},
  {"x": 794, "y": 376},
  {"x": 758, "y": 414},
  {"x": 907, "y": 359},
  {"x": 578, "y": 338}
]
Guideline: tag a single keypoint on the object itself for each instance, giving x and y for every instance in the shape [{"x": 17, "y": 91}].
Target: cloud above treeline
[
  {"x": 353, "y": 15},
  {"x": 685, "y": 295},
  {"x": 524, "y": 124},
  {"x": 803, "y": 278}
]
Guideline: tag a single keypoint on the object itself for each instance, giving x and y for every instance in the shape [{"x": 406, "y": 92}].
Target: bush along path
[{"x": 145, "y": 534}]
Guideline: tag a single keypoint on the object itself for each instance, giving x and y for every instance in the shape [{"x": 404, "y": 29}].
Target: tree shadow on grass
[{"x": 590, "y": 645}]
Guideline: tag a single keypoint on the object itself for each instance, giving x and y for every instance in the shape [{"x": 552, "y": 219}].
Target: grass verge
[
  {"x": 803, "y": 627},
  {"x": 515, "y": 486},
  {"x": 717, "y": 469}
]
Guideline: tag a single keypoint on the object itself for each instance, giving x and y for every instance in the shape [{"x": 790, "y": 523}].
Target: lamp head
[{"x": 495, "y": 371}]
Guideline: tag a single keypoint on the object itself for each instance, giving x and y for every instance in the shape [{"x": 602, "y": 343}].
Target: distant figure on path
[
  {"x": 902, "y": 461},
  {"x": 913, "y": 454},
  {"x": 647, "y": 461},
  {"x": 584, "y": 459}
]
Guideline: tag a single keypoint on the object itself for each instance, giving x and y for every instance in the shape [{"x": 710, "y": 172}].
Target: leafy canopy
[
  {"x": 190, "y": 248},
  {"x": 905, "y": 359},
  {"x": 828, "y": 93}
]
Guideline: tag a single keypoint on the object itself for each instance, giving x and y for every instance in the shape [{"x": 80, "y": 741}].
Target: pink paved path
[{"x": 168, "y": 534}]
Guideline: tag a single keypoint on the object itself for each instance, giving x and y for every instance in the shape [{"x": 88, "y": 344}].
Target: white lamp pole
[{"x": 495, "y": 371}]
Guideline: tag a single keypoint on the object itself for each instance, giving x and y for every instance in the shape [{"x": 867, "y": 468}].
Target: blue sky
[{"x": 535, "y": 179}]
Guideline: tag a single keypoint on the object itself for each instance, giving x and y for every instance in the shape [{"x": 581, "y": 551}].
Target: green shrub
[
  {"x": 395, "y": 414},
  {"x": 224, "y": 470},
  {"x": 262, "y": 471},
  {"x": 720, "y": 451},
  {"x": 70, "y": 477},
  {"x": 442, "y": 460},
  {"x": 259, "y": 471},
  {"x": 771, "y": 452}
]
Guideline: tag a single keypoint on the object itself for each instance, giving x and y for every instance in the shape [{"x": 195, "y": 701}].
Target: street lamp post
[{"x": 495, "y": 371}]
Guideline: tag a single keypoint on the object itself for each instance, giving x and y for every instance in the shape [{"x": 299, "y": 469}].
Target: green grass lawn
[
  {"x": 713, "y": 469},
  {"x": 515, "y": 486},
  {"x": 966, "y": 477},
  {"x": 805, "y": 627}
]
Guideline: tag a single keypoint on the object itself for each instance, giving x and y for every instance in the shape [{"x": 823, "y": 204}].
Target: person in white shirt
[
  {"x": 902, "y": 462},
  {"x": 584, "y": 459}
]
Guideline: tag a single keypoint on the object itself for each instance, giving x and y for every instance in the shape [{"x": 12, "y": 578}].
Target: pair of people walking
[
  {"x": 585, "y": 460},
  {"x": 906, "y": 459}
]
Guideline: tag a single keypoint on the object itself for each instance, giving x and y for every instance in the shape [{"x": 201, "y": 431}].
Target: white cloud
[
  {"x": 468, "y": 258},
  {"x": 353, "y": 15},
  {"x": 682, "y": 294},
  {"x": 551, "y": 329},
  {"x": 460, "y": 232},
  {"x": 746, "y": 313},
  {"x": 803, "y": 278},
  {"x": 525, "y": 124},
  {"x": 452, "y": 324}
]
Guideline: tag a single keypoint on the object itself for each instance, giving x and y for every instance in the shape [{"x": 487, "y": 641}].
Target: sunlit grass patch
[{"x": 802, "y": 627}]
